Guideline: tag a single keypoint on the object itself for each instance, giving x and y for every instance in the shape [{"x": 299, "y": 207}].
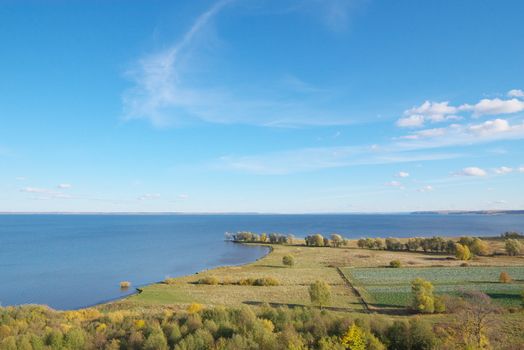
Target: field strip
[{"x": 353, "y": 290}]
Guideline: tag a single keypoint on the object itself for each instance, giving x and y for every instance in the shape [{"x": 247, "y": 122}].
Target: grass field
[
  {"x": 311, "y": 264},
  {"x": 387, "y": 287},
  {"x": 382, "y": 287}
]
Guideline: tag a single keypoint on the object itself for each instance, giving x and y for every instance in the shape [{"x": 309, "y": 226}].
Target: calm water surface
[{"x": 71, "y": 261}]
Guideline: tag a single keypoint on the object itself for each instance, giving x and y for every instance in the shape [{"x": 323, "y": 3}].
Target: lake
[{"x": 72, "y": 261}]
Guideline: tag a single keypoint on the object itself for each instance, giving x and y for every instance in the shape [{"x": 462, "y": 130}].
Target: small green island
[{"x": 321, "y": 292}]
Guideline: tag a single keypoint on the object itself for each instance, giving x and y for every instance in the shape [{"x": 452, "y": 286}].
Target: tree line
[{"x": 472, "y": 325}]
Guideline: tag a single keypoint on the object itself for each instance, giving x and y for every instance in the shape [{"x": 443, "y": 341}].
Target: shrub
[
  {"x": 513, "y": 247},
  {"x": 263, "y": 281},
  {"x": 125, "y": 284},
  {"x": 266, "y": 281},
  {"x": 505, "y": 277},
  {"x": 288, "y": 260},
  {"x": 320, "y": 293},
  {"x": 170, "y": 280},
  {"x": 211, "y": 280},
  {"x": 194, "y": 308},
  {"x": 479, "y": 247},
  {"x": 395, "y": 263}
]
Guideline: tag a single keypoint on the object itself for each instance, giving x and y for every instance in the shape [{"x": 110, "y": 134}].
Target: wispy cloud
[
  {"x": 516, "y": 93},
  {"x": 149, "y": 196},
  {"x": 45, "y": 193},
  {"x": 312, "y": 159},
  {"x": 164, "y": 89}
]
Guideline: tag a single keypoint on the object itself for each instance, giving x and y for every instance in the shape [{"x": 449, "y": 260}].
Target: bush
[
  {"x": 211, "y": 280},
  {"x": 194, "y": 308},
  {"x": 395, "y": 263},
  {"x": 125, "y": 284},
  {"x": 288, "y": 260},
  {"x": 264, "y": 281},
  {"x": 505, "y": 277}
]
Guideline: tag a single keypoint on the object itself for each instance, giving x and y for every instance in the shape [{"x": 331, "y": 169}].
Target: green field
[{"x": 387, "y": 287}]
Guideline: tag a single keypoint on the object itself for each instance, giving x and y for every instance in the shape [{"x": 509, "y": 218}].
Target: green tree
[
  {"x": 156, "y": 341},
  {"x": 320, "y": 293},
  {"x": 75, "y": 339},
  {"x": 513, "y": 247},
  {"x": 288, "y": 260},
  {"x": 423, "y": 299},
  {"x": 355, "y": 338},
  {"x": 462, "y": 252}
]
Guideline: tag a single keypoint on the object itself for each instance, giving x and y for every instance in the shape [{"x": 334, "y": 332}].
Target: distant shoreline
[{"x": 426, "y": 212}]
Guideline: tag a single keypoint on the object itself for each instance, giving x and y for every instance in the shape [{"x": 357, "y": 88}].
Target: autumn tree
[
  {"x": 336, "y": 240},
  {"x": 462, "y": 252},
  {"x": 355, "y": 338},
  {"x": 320, "y": 293},
  {"x": 513, "y": 247},
  {"x": 423, "y": 298}
]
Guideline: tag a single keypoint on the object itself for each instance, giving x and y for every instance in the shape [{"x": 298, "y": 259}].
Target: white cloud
[
  {"x": 516, "y": 93},
  {"x": 64, "y": 186},
  {"x": 494, "y": 106},
  {"x": 183, "y": 196},
  {"x": 149, "y": 196},
  {"x": 402, "y": 174},
  {"x": 490, "y": 127},
  {"x": 471, "y": 171},
  {"x": 503, "y": 170},
  {"x": 412, "y": 121},
  {"x": 428, "y": 111},
  {"x": 394, "y": 184},
  {"x": 468, "y": 134},
  {"x": 521, "y": 169},
  {"x": 427, "y": 188},
  {"x": 20, "y": 178}
]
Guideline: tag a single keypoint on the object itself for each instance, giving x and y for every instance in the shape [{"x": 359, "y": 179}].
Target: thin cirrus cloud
[
  {"x": 149, "y": 196},
  {"x": 45, "y": 193},
  {"x": 163, "y": 90},
  {"x": 402, "y": 174},
  {"x": 414, "y": 146}
]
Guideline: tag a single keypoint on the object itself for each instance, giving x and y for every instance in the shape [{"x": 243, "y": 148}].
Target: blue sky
[{"x": 261, "y": 105}]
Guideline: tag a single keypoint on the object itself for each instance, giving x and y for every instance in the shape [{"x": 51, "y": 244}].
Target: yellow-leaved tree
[{"x": 355, "y": 338}]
